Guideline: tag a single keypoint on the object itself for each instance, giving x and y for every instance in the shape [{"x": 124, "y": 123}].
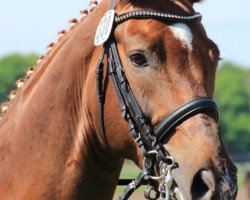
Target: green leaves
[
  {"x": 233, "y": 96},
  {"x": 12, "y": 68}
]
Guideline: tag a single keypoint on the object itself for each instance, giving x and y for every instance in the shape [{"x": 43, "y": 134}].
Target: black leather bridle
[{"x": 148, "y": 138}]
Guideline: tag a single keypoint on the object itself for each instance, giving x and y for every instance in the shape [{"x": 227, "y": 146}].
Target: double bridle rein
[{"x": 149, "y": 139}]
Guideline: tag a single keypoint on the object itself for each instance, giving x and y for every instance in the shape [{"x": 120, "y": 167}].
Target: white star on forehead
[{"x": 182, "y": 32}]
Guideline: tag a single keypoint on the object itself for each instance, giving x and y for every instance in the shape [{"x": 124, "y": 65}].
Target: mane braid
[{"x": 32, "y": 70}]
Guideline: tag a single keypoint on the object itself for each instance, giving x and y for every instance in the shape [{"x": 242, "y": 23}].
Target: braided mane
[{"x": 52, "y": 46}]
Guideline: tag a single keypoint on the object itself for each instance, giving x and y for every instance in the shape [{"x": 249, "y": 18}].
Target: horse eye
[{"x": 139, "y": 60}]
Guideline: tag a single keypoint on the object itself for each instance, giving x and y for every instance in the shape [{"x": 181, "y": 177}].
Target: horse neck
[{"x": 49, "y": 148}]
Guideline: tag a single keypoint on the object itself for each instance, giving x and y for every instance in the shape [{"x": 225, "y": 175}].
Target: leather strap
[{"x": 187, "y": 110}]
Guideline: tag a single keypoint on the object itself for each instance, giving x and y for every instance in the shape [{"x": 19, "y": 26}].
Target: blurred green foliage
[
  {"x": 232, "y": 94},
  {"x": 12, "y": 68}
]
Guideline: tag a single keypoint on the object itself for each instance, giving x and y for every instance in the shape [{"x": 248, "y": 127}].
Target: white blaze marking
[{"x": 183, "y": 32}]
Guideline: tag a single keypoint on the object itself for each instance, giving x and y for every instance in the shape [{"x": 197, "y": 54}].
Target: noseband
[{"x": 149, "y": 139}]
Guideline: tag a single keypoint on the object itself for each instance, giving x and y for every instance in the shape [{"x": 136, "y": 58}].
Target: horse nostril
[{"x": 203, "y": 185}]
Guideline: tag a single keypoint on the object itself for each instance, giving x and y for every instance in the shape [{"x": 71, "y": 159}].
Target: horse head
[
  {"x": 143, "y": 92},
  {"x": 169, "y": 61}
]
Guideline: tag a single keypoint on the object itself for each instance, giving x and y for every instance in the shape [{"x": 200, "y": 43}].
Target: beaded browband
[
  {"x": 110, "y": 19},
  {"x": 148, "y": 14}
]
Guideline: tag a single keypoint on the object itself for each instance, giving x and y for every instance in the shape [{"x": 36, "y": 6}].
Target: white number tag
[{"x": 104, "y": 28}]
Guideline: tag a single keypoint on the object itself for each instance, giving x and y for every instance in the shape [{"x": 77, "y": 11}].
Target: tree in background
[
  {"x": 12, "y": 68},
  {"x": 232, "y": 95}
]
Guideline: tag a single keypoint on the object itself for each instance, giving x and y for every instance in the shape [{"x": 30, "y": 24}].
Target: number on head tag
[{"x": 104, "y": 28}]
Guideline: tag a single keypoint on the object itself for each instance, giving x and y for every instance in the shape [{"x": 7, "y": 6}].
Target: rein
[{"x": 149, "y": 139}]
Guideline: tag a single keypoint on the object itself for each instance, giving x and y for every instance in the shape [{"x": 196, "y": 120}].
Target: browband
[{"x": 149, "y": 14}]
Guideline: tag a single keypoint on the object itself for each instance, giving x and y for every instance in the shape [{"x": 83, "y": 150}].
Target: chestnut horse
[{"x": 51, "y": 143}]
